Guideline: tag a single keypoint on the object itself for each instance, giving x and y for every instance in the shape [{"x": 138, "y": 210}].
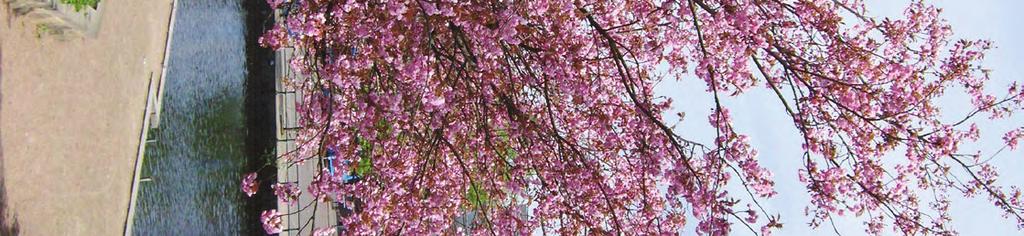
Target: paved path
[
  {"x": 287, "y": 123},
  {"x": 71, "y": 113}
]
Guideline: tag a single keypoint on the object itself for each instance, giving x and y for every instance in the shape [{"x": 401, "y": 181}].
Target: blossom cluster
[
  {"x": 249, "y": 184},
  {"x": 271, "y": 220},
  {"x": 539, "y": 116},
  {"x": 287, "y": 192}
]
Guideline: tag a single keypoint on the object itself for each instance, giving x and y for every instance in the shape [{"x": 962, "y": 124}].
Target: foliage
[
  {"x": 477, "y": 197},
  {"x": 80, "y": 4},
  {"x": 548, "y": 106}
]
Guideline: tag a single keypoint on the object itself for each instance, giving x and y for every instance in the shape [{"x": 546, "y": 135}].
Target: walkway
[
  {"x": 302, "y": 175},
  {"x": 71, "y": 117}
]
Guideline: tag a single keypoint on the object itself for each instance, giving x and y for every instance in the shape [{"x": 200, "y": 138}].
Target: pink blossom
[
  {"x": 447, "y": 108},
  {"x": 249, "y": 184},
  {"x": 275, "y": 3},
  {"x": 271, "y": 220},
  {"x": 1013, "y": 136},
  {"x": 325, "y": 231},
  {"x": 287, "y": 192}
]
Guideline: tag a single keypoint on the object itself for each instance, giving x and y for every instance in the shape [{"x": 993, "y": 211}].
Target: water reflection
[{"x": 198, "y": 157}]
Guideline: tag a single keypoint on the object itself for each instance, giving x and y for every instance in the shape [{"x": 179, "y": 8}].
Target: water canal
[{"x": 217, "y": 124}]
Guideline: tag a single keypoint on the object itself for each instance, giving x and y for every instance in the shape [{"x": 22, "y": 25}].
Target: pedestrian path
[
  {"x": 74, "y": 116},
  {"x": 308, "y": 215}
]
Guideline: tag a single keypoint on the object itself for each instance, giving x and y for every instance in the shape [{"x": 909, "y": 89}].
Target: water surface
[{"x": 199, "y": 153}]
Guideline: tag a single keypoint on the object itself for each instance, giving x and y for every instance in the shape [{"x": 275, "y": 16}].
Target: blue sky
[{"x": 758, "y": 114}]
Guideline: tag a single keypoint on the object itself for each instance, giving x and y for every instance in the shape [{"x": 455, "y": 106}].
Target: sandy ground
[{"x": 71, "y": 113}]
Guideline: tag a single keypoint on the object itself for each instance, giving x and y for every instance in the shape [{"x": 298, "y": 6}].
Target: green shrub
[{"x": 79, "y": 4}]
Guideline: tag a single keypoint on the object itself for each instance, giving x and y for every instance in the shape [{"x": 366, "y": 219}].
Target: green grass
[{"x": 79, "y": 4}]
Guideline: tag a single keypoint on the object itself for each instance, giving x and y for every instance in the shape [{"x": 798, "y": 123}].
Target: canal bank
[{"x": 71, "y": 112}]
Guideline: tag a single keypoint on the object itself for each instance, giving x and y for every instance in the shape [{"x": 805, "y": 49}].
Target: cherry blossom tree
[{"x": 539, "y": 116}]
